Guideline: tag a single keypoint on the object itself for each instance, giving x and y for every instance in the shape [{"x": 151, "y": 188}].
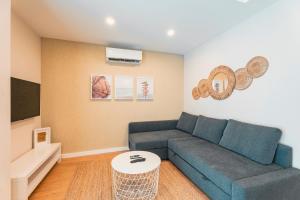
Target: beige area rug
[{"x": 92, "y": 181}]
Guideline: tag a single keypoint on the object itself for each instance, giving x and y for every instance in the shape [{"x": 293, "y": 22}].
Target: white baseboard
[{"x": 94, "y": 152}]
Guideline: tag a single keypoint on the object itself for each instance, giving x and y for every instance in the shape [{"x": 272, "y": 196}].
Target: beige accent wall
[
  {"x": 25, "y": 64},
  {"x": 82, "y": 124},
  {"x": 5, "y": 99}
]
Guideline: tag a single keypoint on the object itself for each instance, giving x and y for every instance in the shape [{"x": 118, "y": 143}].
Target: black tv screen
[{"x": 25, "y": 99}]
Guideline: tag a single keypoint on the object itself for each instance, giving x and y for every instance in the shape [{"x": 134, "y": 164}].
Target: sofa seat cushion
[
  {"x": 154, "y": 139},
  {"x": 218, "y": 164},
  {"x": 256, "y": 142}
]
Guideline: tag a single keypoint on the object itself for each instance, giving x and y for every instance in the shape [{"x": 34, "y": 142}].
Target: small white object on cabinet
[
  {"x": 30, "y": 169},
  {"x": 41, "y": 137}
]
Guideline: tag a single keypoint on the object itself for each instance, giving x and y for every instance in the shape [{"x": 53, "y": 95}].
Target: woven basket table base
[{"x": 135, "y": 186}]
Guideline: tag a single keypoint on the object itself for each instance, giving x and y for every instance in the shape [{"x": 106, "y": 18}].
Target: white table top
[{"x": 121, "y": 163}]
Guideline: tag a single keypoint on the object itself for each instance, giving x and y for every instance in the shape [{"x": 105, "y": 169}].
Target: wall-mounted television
[{"x": 25, "y": 99}]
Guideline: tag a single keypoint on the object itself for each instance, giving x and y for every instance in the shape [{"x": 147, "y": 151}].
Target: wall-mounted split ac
[{"x": 125, "y": 56}]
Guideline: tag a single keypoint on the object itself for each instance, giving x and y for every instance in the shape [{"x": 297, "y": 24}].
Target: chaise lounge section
[
  {"x": 227, "y": 159},
  {"x": 154, "y": 136}
]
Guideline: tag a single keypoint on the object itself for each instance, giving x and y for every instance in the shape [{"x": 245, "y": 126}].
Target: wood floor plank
[{"x": 173, "y": 185}]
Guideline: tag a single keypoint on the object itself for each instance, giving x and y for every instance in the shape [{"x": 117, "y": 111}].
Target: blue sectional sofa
[{"x": 226, "y": 159}]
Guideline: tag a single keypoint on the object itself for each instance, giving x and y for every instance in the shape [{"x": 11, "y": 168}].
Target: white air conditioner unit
[{"x": 125, "y": 56}]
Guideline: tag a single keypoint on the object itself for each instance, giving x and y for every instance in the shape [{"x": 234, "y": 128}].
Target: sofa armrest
[
  {"x": 277, "y": 185},
  {"x": 136, "y": 127}
]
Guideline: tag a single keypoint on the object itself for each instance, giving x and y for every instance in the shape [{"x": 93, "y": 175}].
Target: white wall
[
  {"x": 25, "y": 64},
  {"x": 272, "y": 99},
  {"x": 5, "y": 99}
]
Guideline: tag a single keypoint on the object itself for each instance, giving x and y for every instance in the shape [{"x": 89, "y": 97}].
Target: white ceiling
[{"x": 140, "y": 24}]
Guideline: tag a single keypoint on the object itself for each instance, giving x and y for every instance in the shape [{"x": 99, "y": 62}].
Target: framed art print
[
  {"x": 41, "y": 137},
  {"x": 101, "y": 87},
  {"x": 123, "y": 87},
  {"x": 144, "y": 88}
]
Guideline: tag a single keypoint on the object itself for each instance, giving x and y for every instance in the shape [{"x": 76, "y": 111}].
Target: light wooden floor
[{"x": 173, "y": 185}]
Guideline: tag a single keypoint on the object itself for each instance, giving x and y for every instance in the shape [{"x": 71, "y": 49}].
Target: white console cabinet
[{"x": 30, "y": 169}]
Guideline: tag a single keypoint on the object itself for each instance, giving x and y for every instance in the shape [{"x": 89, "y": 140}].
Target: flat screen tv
[{"x": 25, "y": 99}]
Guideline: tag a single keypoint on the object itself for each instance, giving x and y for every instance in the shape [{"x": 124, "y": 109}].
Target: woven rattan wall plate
[
  {"x": 243, "y": 79},
  {"x": 195, "y": 93},
  {"x": 257, "y": 66},
  {"x": 230, "y": 86},
  {"x": 203, "y": 88}
]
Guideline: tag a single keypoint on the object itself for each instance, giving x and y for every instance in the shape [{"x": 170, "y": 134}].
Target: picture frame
[
  {"x": 124, "y": 87},
  {"x": 101, "y": 87},
  {"x": 144, "y": 88},
  {"x": 41, "y": 137}
]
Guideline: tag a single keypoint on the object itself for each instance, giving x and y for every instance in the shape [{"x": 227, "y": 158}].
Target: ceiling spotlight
[
  {"x": 110, "y": 21},
  {"x": 243, "y": 1},
  {"x": 170, "y": 32}
]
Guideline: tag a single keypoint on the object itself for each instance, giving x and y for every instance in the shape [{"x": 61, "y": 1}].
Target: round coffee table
[{"x": 135, "y": 181}]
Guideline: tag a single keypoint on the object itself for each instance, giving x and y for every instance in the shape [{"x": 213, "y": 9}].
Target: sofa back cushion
[
  {"x": 209, "y": 128},
  {"x": 284, "y": 156},
  {"x": 258, "y": 143},
  {"x": 187, "y": 122}
]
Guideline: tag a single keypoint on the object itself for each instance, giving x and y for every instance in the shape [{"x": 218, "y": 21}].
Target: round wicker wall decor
[
  {"x": 195, "y": 93},
  {"x": 243, "y": 79},
  {"x": 257, "y": 66},
  {"x": 223, "y": 80},
  {"x": 203, "y": 88},
  {"x": 230, "y": 85}
]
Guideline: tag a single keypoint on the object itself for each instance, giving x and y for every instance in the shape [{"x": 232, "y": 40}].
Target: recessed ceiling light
[
  {"x": 243, "y": 1},
  {"x": 170, "y": 32},
  {"x": 110, "y": 21}
]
